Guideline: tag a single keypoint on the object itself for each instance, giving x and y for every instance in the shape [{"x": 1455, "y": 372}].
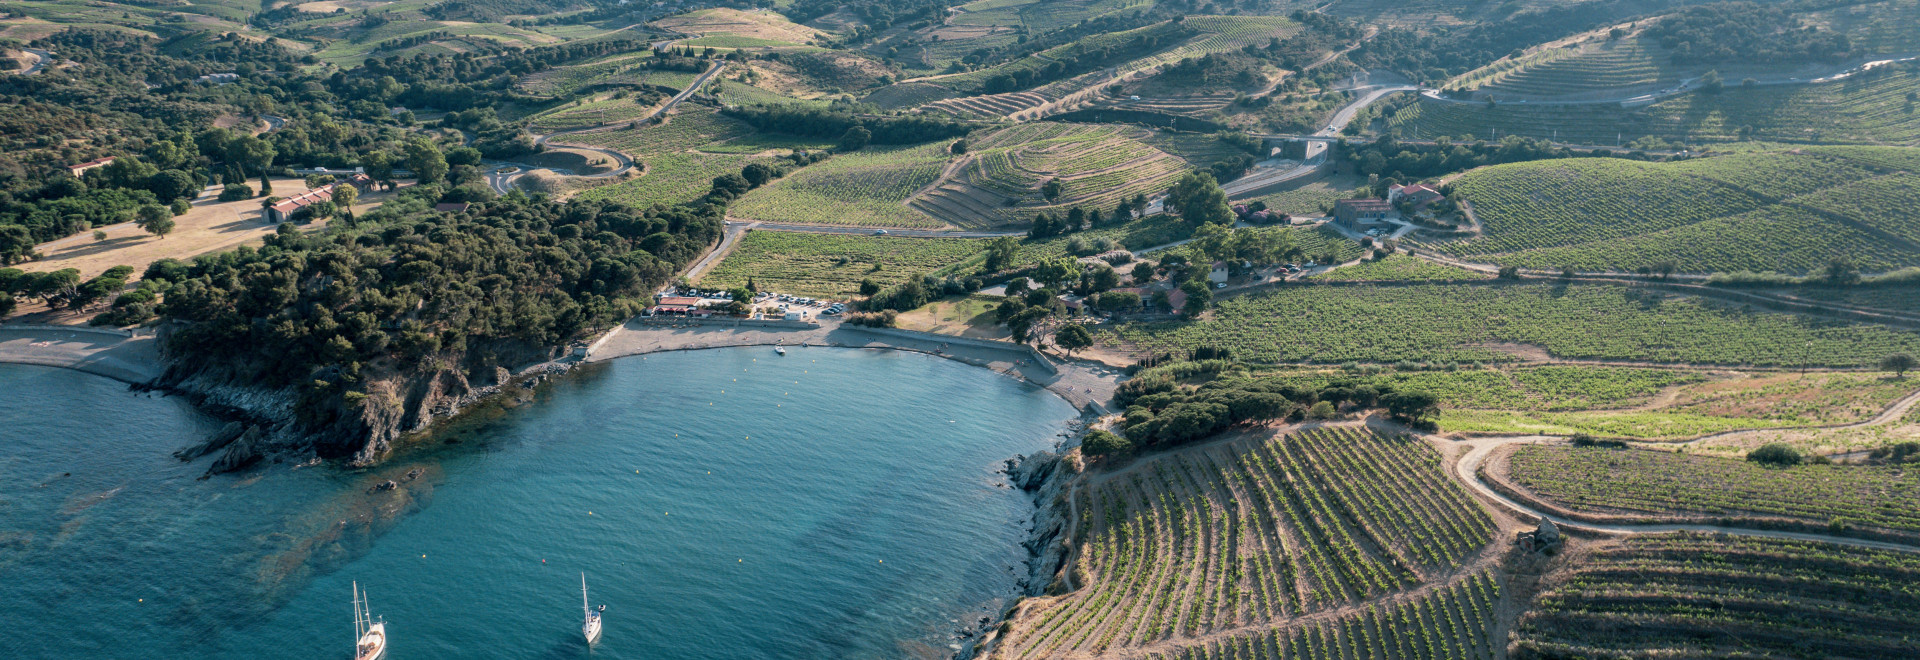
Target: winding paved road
[{"x": 41, "y": 59}]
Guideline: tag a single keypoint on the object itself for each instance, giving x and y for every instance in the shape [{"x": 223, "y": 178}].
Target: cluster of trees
[
  {"x": 458, "y": 81},
  {"x": 1161, "y": 413},
  {"x": 1078, "y": 218},
  {"x": 836, "y": 123},
  {"x": 1237, "y": 69},
  {"x": 1198, "y": 198},
  {"x": 60, "y": 289},
  {"x": 492, "y": 138},
  {"x": 1400, "y": 161},
  {"x": 415, "y": 288},
  {"x": 1745, "y": 32}
]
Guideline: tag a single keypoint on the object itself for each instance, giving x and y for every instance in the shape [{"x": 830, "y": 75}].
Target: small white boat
[
  {"x": 592, "y": 627},
  {"x": 780, "y": 349},
  {"x": 371, "y": 634}
]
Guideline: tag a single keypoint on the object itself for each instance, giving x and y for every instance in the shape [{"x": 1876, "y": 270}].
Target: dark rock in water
[
  {"x": 213, "y": 443},
  {"x": 244, "y": 451},
  {"x": 383, "y": 486},
  {"x": 414, "y": 474},
  {"x": 1031, "y": 471}
]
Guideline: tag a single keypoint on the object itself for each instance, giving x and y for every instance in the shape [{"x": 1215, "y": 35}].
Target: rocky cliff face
[{"x": 271, "y": 420}]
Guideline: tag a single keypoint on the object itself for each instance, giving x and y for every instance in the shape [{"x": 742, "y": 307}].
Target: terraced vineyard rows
[
  {"x": 1763, "y": 211},
  {"x": 1627, "y": 63},
  {"x": 1449, "y": 623},
  {"x": 1668, "y": 485},
  {"x": 1250, "y": 533},
  {"x": 1699, "y": 595},
  {"x": 1472, "y": 322},
  {"x": 1863, "y": 110},
  {"x": 1097, "y": 166},
  {"x": 867, "y": 188},
  {"x": 1889, "y": 203}
]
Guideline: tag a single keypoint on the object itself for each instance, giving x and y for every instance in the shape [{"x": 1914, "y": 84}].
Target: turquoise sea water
[{"x": 730, "y": 503}]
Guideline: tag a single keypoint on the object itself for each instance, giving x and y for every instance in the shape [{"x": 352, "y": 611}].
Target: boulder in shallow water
[
  {"x": 244, "y": 451},
  {"x": 213, "y": 443}
]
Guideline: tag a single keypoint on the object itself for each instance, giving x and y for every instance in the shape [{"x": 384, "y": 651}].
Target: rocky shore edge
[
  {"x": 1048, "y": 477},
  {"x": 262, "y": 424}
]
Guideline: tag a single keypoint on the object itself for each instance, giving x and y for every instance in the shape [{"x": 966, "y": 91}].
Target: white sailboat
[
  {"x": 592, "y": 627},
  {"x": 780, "y": 349},
  {"x": 371, "y": 635}
]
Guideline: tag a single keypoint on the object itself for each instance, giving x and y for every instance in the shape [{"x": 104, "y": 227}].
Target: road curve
[
  {"x": 1467, "y": 470},
  {"x": 41, "y": 59},
  {"x": 502, "y": 182}
]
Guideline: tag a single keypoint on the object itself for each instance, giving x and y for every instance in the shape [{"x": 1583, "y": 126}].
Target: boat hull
[{"x": 592, "y": 631}]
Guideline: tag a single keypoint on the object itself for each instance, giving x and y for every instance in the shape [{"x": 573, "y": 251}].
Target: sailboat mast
[
  {"x": 356, "y": 613},
  {"x": 585, "y": 609}
]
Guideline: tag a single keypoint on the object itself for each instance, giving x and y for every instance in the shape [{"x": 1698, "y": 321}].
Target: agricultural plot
[
  {"x": 830, "y": 265},
  {"x": 907, "y": 95},
  {"x": 1879, "y": 27},
  {"x": 1399, "y": 268},
  {"x": 1657, "y": 485},
  {"x": 763, "y": 26},
  {"x": 737, "y": 93},
  {"x": 1096, "y": 165},
  {"x": 1897, "y": 297},
  {"x": 565, "y": 80},
  {"x": 1320, "y": 242},
  {"x": 590, "y": 113},
  {"x": 1751, "y": 401},
  {"x": 1315, "y": 198},
  {"x": 1451, "y": 622},
  {"x": 868, "y": 188},
  {"x": 1254, "y": 532},
  {"x": 1765, "y": 211},
  {"x": 1701, "y": 595},
  {"x": 1867, "y": 109},
  {"x": 1627, "y": 64},
  {"x": 1534, "y": 389},
  {"x": 674, "y": 172},
  {"x": 1840, "y": 441},
  {"x": 1462, "y": 323}
]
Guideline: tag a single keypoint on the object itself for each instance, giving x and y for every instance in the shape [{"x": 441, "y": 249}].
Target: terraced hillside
[
  {"x": 867, "y": 188},
  {"x": 1867, "y": 109},
  {"x": 1001, "y": 182},
  {"x": 1271, "y": 539},
  {"x": 1778, "y": 211},
  {"x": 1612, "y": 67},
  {"x": 1497, "y": 322},
  {"x": 1634, "y": 484},
  {"x": 1710, "y": 596}
]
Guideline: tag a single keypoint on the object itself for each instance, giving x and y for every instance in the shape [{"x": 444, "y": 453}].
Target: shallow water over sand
[{"x": 725, "y": 504}]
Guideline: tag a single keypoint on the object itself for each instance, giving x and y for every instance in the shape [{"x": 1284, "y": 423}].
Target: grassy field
[
  {"x": 867, "y": 188},
  {"x": 1702, "y": 595},
  {"x": 1258, "y": 530},
  {"x": 1784, "y": 211},
  {"x": 831, "y": 265},
  {"x": 1493, "y": 323},
  {"x": 1826, "y": 441},
  {"x": 1670, "y": 486}
]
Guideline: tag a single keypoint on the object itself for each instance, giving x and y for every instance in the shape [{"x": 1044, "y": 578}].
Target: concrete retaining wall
[{"x": 1037, "y": 357}]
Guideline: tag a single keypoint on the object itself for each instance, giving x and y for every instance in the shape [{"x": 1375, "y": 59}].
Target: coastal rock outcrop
[
  {"x": 242, "y": 452},
  {"x": 219, "y": 440}
]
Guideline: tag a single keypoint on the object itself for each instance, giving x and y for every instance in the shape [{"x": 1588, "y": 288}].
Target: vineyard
[
  {"x": 1868, "y": 109},
  {"x": 1096, "y": 165},
  {"x": 1767, "y": 211},
  {"x": 1399, "y": 268},
  {"x": 830, "y": 265},
  {"x": 1701, "y": 595},
  {"x": 1459, "y": 323},
  {"x": 1642, "y": 484},
  {"x": 674, "y": 173},
  {"x": 866, "y": 188},
  {"x": 1827, "y": 441},
  {"x": 1614, "y": 67},
  {"x": 1539, "y": 388},
  {"x": 1447, "y": 623},
  {"x": 1263, "y": 530},
  {"x": 591, "y": 113}
]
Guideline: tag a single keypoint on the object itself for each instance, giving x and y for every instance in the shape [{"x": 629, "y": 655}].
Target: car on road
[{"x": 879, "y": 232}]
